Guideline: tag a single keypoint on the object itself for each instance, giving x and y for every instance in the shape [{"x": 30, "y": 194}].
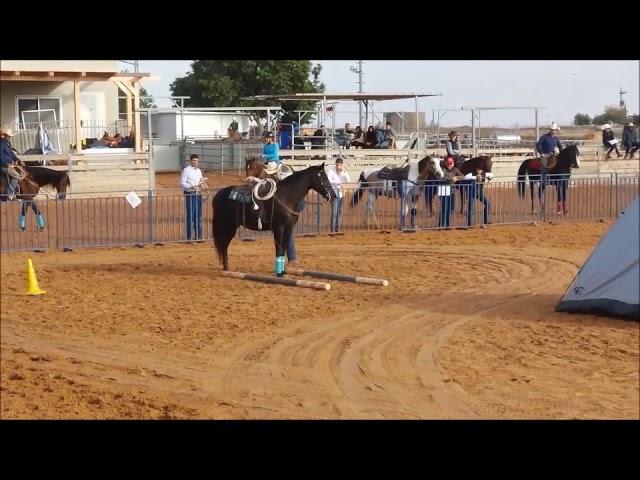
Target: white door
[{"x": 92, "y": 113}]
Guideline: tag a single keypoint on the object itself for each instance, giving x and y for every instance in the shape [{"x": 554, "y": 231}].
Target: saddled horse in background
[
  {"x": 230, "y": 211},
  {"x": 483, "y": 162},
  {"x": 559, "y": 176},
  {"x": 32, "y": 179},
  {"x": 381, "y": 182}
]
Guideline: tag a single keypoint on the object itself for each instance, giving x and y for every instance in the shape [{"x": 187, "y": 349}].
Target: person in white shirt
[
  {"x": 190, "y": 181},
  {"x": 337, "y": 176}
]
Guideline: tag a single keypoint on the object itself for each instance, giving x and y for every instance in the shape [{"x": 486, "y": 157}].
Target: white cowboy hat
[
  {"x": 605, "y": 126},
  {"x": 554, "y": 126},
  {"x": 271, "y": 168},
  {"x": 630, "y": 124},
  {"x": 6, "y": 131}
]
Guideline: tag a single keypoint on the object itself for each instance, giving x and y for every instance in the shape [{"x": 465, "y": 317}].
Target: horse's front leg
[
  {"x": 279, "y": 239},
  {"x": 38, "y": 214},
  {"x": 532, "y": 197},
  {"x": 22, "y": 219},
  {"x": 414, "y": 212}
]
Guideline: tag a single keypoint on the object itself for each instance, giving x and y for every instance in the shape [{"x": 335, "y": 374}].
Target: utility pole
[
  {"x": 622, "y": 92},
  {"x": 360, "y": 73}
]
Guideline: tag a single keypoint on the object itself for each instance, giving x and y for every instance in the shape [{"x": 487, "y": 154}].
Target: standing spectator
[
  {"x": 445, "y": 191},
  {"x": 234, "y": 125},
  {"x": 609, "y": 141},
  {"x": 190, "y": 181},
  {"x": 337, "y": 176},
  {"x": 630, "y": 140},
  {"x": 271, "y": 150},
  {"x": 476, "y": 191}
]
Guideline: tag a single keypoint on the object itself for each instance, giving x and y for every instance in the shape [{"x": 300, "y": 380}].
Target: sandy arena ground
[{"x": 466, "y": 329}]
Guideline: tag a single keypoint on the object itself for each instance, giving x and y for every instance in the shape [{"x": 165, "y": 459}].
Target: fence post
[
  {"x": 616, "y": 196},
  {"x": 610, "y": 193},
  {"x": 150, "y": 215},
  {"x": 221, "y": 158},
  {"x": 400, "y": 187},
  {"x": 317, "y": 213}
]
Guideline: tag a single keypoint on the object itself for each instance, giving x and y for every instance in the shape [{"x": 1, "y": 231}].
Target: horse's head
[
  {"x": 252, "y": 167},
  {"x": 320, "y": 182},
  {"x": 429, "y": 166},
  {"x": 63, "y": 184},
  {"x": 574, "y": 155}
]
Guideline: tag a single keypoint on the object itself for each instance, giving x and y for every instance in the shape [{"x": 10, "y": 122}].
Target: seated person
[
  {"x": 370, "y": 138},
  {"x": 319, "y": 138},
  {"x": 380, "y": 137},
  {"x": 389, "y": 136},
  {"x": 358, "y": 138}
]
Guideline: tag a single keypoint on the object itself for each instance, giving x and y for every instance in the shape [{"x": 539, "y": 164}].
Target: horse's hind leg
[
  {"x": 22, "y": 220},
  {"x": 38, "y": 214}
]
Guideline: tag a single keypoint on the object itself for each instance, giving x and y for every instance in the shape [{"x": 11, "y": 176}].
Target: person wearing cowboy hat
[
  {"x": 546, "y": 147},
  {"x": 609, "y": 141},
  {"x": 8, "y": 161},
  {"x": 630, "y": 140},
  {"x": 453, "y": 145}
]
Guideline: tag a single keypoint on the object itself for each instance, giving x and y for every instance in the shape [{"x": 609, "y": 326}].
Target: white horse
[{"x": 406, "y": 177}]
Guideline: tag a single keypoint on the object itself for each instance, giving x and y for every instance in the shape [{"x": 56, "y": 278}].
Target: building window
[{"x": 33, "y": 110}]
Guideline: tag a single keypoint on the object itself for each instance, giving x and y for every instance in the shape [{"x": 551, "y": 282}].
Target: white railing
[{"x": 62, "y": 134}]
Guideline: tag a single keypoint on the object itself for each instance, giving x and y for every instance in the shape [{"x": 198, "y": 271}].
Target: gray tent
[{"x": 609, "y": 281}]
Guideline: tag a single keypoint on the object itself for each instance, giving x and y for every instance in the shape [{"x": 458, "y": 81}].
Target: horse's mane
[{"x": 297, "y": 174}]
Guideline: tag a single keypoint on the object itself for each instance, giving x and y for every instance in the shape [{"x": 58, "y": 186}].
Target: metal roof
[{"x": 342, "y": 96}]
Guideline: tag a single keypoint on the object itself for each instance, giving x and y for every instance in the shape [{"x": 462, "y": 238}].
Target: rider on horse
[
  {"x": 8, "y": 162},
  {"x": 546, "y": 147}
]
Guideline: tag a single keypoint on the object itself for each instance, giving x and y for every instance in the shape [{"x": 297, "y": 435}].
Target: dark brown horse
[
  {"x": 473, "y": 165},
  {"x": 31, "y": 180},
  {"x": 479, "y": 165}
]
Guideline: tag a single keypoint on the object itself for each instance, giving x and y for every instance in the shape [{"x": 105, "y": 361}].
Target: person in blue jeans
[
  {"x": 337, "y": 176},
  {"x": 451, "y": 175},
  {"x": 190, "y": 181}
]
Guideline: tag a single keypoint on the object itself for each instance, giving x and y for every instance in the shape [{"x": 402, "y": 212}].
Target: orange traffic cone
[{"x": 32, "y": 281}]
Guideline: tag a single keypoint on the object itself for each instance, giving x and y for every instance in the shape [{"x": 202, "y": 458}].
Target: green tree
[
  {"x": 611, "y": 115},
  {"x": 223, "y": 83},
  {"x": 582, "y": 119}
]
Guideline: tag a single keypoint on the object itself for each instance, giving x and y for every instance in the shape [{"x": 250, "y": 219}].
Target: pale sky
[{"x": 563, "y": 87}]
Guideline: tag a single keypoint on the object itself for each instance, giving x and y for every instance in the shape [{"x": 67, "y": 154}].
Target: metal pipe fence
[{"x": 161, "y": 218}]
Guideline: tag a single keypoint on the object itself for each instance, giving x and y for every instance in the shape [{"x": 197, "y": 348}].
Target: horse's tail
[
  {"x": 522, "y": 178},
  {"x": 357, "y": 196}
]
